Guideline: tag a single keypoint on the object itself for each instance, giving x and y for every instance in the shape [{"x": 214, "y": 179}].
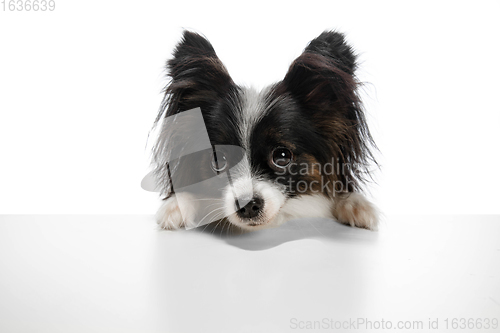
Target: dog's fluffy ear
[
  {"x": 332, "y": 45},
  {"x": 322, "y": 81},
  {"x": 193, "y": 44},
  {"x": 323, "y": 75},
  {"x": 198, "y": 77}
]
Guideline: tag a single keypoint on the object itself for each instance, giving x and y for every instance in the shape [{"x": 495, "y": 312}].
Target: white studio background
[{"x": 80, "y": 87}]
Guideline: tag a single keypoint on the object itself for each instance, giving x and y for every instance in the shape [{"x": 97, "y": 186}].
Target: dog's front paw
[
  {"x": 169, "y": 215},
  {"x": 354, "y": 209}
]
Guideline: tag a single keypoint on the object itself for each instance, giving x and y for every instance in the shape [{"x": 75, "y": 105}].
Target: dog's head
[{"x": 303, "y": 135}]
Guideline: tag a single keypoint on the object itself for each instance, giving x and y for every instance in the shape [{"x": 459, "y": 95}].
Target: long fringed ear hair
[
  {"x": 197, "y": 79},
  {"x": 322, "y": 79},
  {"x": 197, "y": 76}
]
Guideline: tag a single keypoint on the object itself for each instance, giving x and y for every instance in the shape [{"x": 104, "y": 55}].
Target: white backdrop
[{"x": 80, "y": 87}]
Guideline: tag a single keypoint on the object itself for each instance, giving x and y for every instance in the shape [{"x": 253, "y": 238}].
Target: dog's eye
[
  {"x": 282, "y": 157},
  {"x": 219, "y": 161}
]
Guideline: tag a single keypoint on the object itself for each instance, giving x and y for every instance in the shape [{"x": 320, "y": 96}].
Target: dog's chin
[{"x": 261, "y": 222}]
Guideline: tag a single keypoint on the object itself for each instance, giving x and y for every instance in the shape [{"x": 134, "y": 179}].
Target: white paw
[
  {"x": 356, "y": 211},
  {"x": 169, "y": 215}
]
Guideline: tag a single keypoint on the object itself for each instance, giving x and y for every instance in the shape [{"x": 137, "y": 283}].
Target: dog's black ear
[
  {"x": 198, "y": 77},
  {"x": 324, "y": 73},
  {"x": 322, "y": 81},
  {"x": 193, "y": 43},
  {"x": 332, "y": 45}
]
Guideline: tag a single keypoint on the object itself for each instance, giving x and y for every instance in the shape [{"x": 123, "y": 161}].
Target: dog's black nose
[{"x": 251, "y": 209}]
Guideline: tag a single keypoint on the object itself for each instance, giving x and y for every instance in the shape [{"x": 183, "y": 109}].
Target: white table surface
[{"x": 85, "y": 273}]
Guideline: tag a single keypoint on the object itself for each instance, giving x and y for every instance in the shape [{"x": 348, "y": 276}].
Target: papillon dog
[{"x": 299, "y": 148}]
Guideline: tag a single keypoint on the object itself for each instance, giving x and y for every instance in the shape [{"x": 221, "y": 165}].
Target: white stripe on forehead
[{"x": 253, "y": 110}]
